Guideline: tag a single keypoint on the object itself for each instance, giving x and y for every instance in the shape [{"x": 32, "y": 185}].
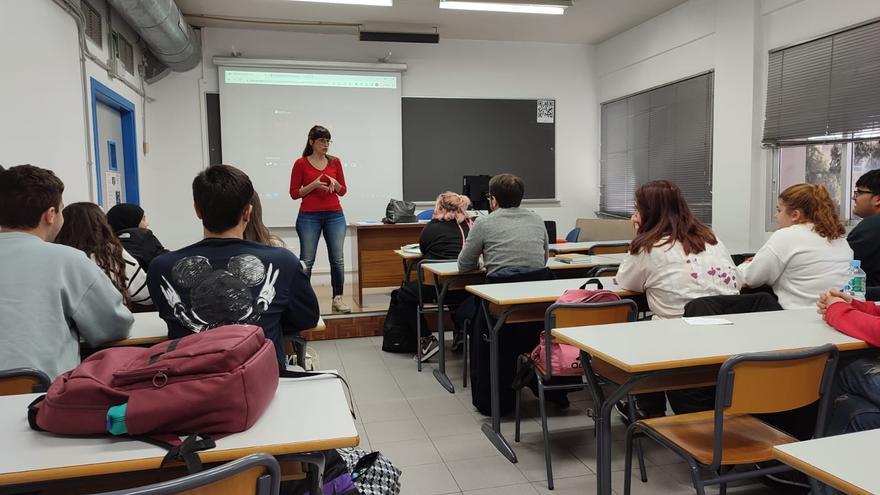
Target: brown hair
[
  {"x": 26, "y": 192},
  {"x": 256, "y": 230},
  {"x": 86, "y": 228},
  {"x": 665, "y": 213},
  {"x": 816, "y": 207},
  {"x": 507, "y": 189}
]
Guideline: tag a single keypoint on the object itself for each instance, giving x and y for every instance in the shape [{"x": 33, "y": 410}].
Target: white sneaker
[{"x": 339, "y": 305}]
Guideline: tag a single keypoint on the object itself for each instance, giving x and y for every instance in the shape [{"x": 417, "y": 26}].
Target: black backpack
[{"x": 397, "y": 334}]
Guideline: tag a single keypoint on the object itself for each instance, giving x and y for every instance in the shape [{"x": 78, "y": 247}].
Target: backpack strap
[
  {"x": 33, "y": 408},
  {"x": 305, "y": 374},
  {"x": 186, "y": 450},
  {"x": 171, "y": 346},
  {"x": 593, "y": 281}
]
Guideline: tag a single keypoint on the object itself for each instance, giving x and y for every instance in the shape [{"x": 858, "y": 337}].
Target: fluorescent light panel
[
  {"x": 377, "y": 3},
  {"x": 538, "y": 7}
]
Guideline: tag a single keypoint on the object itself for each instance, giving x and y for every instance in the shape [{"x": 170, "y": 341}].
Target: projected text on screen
[{"x": 303, "y": 79}]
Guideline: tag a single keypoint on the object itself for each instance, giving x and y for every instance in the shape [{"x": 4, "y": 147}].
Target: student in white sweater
[
  {"x": 674, "y": 257},
  {"x": 809, "y": 252}
]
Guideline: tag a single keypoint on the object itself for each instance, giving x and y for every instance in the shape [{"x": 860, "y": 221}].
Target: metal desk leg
[
  {"x": 407, "y": 269},
  {"x": 440, "y": 371},
  {"x": 493, "y": 431},
  {"x": 315, "y": 465}
]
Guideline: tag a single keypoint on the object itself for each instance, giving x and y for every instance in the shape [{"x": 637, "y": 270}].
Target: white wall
[
  {"x": 732, "y": 37},
  {"x": 451, "y": 68},
  {"x": 41, "y": 93}
]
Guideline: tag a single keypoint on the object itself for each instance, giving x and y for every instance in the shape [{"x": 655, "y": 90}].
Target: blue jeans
[
  {"x": 309, "y": 225},
  {"x": 856, "y": 396}
]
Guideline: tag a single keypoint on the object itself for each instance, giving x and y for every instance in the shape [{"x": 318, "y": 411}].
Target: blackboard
[{"x": 447, "y": 138}]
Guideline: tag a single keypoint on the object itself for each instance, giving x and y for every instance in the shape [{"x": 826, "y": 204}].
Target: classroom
[{"x": 491, "y": 246}]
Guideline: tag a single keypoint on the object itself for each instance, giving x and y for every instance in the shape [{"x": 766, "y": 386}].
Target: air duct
[{"x": 164, "y": 30}]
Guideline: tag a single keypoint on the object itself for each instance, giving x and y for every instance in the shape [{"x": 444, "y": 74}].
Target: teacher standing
[{"x": 318, "y": 180}]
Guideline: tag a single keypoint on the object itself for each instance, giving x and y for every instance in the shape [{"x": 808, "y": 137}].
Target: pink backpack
[
  {"x": 215, "y": 382},
  {"x": 564, "y": 358}
]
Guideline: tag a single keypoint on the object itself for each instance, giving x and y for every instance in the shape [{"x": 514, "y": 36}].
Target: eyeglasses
[
  {"x": 324, "y": 141},
  {"x": 859, "y": 192}
]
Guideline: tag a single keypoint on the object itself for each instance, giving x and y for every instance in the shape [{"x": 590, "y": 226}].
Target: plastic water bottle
[{"x": 857, "y": 280}]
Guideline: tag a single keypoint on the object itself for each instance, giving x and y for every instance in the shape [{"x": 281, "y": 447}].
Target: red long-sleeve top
[
  {"x": 304, "y": 173},
  {"x": 860, "y": 320}
]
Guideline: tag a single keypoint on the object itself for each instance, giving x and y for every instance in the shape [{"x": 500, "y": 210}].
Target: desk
[
  {"x": 645, "y": 349},
  {"x": 149, "y": 329},
  {"x": 409, "y": 260},
  {"x": 842, "y": 461},
  {"x": 581, "y": 247},
  {"x": 285, "y": 428},
  {"x": 530, "y": 300},
  {"x": 447, "y": 277},
  {"x": 372, "y": 253}
]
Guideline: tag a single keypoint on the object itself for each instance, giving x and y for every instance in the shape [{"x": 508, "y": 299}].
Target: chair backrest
[
  {"x": 550, "y": 225},
  {"x": 23, "y": 381},
  {"x": 603, "y": 271},
  {"x": 564, "y": 315},
  {"x": 425, "y": 215},
  {"x": 771, "y": 382},
  {"x": 610, "y": 248},
  {"x": 257, "y": 474},
  {"x": 572, "y": 235},
  {"x": 733, "y": 304}
]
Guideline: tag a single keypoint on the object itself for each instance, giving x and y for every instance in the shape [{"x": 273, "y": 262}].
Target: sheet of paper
[{"x": 707, "y": 320}]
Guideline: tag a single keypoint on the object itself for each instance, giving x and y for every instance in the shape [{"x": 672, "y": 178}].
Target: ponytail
[{"x": 817, "y": 207}]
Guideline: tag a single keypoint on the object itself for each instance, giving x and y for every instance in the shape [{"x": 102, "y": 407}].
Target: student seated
[
  {"x": 224, "y": 279},
  {"x": 674, "y": 257},
  {"x": 864, "y": 239},
  {"x": 510, "y": 238},
  {"x": 441, "y": 239},
  {"x": 857, "y": 383},
  {"x": 256, "y": 230},
  {"x": 86, "y": 228},
  {"x": 130, "y": 225},
  {"x": 807, "y": 254},
  {"x": 50, "y": 295}
]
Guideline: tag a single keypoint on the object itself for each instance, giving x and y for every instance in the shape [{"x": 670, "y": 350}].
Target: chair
[
  {"x": 572, "y": 235},
  {"x": 425, "y": 215},
  {"x": 610, "y": 248},
  {"x": 603, "y": 271},
  {"x": 423, "y": 308},
  {"x": 23, "y": 381},
  {"x": 562, "y": 315},
  {"x": 712, "y": 442},
  {"x": 257, "y": 474}
]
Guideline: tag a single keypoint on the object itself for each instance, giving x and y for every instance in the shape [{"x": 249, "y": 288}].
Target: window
[
  {"x": 93, "y": 23},
  {"x": 837, "y": 166},
  {"x": 124, "y": 52},
  {"x": 822, "y": 117},
  {"x": 662, "y": 133}
]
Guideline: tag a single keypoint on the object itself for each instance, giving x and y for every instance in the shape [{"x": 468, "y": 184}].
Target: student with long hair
[
  {"x": 674, "y": 257},
  {"x": 808, "y": 253},
  {"x": 86, "y": 228},
  {"x": 441, "y": 239},
  {"x": 318, "y": 180},
  {"x": 256, "y": 230}
]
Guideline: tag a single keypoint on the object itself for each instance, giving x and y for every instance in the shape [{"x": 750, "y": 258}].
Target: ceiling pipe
[{"x": 164, "y": 30}]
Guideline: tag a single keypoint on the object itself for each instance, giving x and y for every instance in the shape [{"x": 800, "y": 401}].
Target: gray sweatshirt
[
  {"x": 507, "y": 237},
  {"x": 50, "y": 295}
]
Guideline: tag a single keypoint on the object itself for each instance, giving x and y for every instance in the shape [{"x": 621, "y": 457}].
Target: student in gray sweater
[
  {"x": 510, "y": 237},
  {"x": 50, "y": 295}
]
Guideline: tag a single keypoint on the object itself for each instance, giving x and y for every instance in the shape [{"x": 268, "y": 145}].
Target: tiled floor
[{"x": 435, "y": 437}]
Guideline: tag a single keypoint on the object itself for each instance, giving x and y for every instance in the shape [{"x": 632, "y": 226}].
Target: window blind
[
  {"x": 662, "y": 133},
  {"x": 826, "y": 87}
]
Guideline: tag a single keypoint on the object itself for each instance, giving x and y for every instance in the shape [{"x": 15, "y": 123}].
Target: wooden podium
[{"x": 372, "y": 252}]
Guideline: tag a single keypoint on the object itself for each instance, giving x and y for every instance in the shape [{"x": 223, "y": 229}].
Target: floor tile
[
  {"x": 437, "y": 406},
  {"x": 428, "y": 479},
  {"x": 409, "y": 452},
  {"x": 530, "y": 457},
  {"x": 395, "y": 431},
  {"x": 524, "y": 489},
  {"x": 487, "y": 472},
  {"x": 658, "y": 482},
  {"x": 462, "y": 447},
  {"x": 568, "y": 486},
  {"x": 453, "y": 424},
  {"x": 385, "y": 411}
]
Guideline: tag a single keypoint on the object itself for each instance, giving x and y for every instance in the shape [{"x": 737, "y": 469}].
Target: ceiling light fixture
[
  {"x": 552, "y": 7},
  {"x": 377, "y": 3}
]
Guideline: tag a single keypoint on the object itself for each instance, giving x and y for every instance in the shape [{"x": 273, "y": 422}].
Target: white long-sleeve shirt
[
  {"x": 670, "y": 278},
  {"x": 799, "y": 265}
]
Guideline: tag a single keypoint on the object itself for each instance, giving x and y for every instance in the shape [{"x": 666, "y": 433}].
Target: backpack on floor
[
  {"x": 171, "y": 388},
  {"x": 397, "y": 335},
  {"x": 373, "y": 473}
]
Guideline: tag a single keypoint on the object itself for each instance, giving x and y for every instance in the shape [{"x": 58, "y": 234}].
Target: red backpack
[{"x": 215, "y": 382}]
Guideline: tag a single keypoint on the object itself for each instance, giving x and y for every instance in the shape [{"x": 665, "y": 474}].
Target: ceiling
[{"x": 587, "y": 21}]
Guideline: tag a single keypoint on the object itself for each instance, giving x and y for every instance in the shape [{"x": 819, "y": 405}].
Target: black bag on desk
[{"x": 399, "y": 211}]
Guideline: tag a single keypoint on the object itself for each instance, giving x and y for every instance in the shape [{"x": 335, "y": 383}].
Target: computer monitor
[{"x": 476, "y": 188}]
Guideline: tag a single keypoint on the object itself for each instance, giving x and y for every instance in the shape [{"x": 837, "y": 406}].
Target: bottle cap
[{"x": 855, "y": 263}]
